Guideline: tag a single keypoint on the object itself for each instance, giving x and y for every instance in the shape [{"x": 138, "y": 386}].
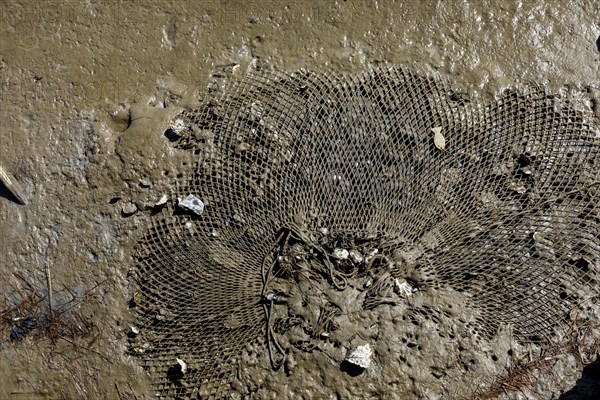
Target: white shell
[
  {"x": 361, "y": 356},
  {"x": 356, "y": 257},
  {"x": 341, "y": 254},
  {"x": 438, "y": 138},
  {"x": 191, "y": 203},
  {"x": 161, "y": 201},
  {"x": 182, "y": 364},
  {"x": 178, "y": 126}
]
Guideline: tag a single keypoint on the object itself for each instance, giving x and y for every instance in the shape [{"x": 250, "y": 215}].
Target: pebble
[{"x": 129, "y": 208}]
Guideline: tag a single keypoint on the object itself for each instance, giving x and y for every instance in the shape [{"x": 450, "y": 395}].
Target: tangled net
[{"x": 318, "y": 181}]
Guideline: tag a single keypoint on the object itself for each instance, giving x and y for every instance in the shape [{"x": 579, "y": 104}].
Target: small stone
[
  {"x": 129, "y": 208},
  {"x": 145, "y": 183}
]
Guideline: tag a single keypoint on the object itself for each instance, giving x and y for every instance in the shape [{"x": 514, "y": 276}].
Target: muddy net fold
[{"x": 375, "y": 185}]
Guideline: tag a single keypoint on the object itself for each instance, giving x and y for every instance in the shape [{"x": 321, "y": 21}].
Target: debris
[
  {"x": 178, "y": 126},
  {"x": 134, "y": 330},
  {"x": 341, "y": 254},
  {"x": 324, "y": 231},
  {"x": 356, "y": 257},
  {"x": 162, "y": 200},
  {"x": 360, "y": 356},
  {"x": 145, "y": 182},
  {"x": 129, "y": 209},
  {"x": 372, "y": 253},
  {"x": 12, "y": 185},
  {"x": 402, "y": 288},
  {"x": 183, "y": 365},
  {"x": 21, "y": 328},
  {"x": 191, "y": 203},
  {"x": 438, "y": 138}
]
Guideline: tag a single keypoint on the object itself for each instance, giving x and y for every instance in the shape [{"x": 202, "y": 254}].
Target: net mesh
[{"x": 318, "y": 181}]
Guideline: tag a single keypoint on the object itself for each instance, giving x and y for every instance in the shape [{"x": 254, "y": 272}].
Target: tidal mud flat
[{"x": 87, "y": 92}]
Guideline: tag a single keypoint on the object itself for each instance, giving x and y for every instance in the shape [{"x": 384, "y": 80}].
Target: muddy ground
[{"x": 75, "y": 75}]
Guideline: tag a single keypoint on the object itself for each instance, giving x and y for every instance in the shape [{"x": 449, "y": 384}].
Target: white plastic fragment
[
  {"x": 438, "y": 138},
  {"x": 361, "y": 356},
  {"x": 341, "y": 254},
  {"x": 183, "y": 365},
  {"x": 134, "y": 330},
  {"x": 162, "y": 200},
  {"x": 402, "y": 288},
  {"x": 191, "y": 203}
]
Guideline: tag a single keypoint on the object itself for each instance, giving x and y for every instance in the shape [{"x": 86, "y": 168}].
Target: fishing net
[{"x": 325, "y": 194}]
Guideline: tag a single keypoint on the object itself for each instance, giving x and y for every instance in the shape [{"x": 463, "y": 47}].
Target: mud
[{"x": 86, "y": 91}]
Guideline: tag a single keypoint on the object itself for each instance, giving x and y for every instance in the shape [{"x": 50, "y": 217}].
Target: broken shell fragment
[
  {"x": 360, "y": 356},
  {"x": 438, "y": 138},
  {"x": 191, "y": 203},
  {"x": 341, "y": 254},
  {"x": 183, "y": 365},
  {"x": 356, "y": 257},
  {"x": 161, "y": 201}
]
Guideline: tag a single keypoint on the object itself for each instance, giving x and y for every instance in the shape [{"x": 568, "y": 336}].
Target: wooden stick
[
  {"x": 12, "y": 185},
  {"x": 49, "y": 283}
]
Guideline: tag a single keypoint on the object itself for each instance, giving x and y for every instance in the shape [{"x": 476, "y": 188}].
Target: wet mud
[{"x": 86, "y": 92}]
